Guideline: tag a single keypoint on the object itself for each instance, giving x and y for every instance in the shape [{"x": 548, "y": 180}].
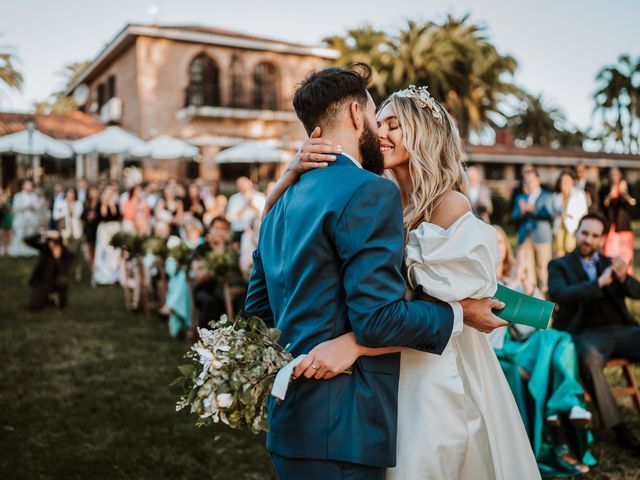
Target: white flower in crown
[{"x": 423, "y": 97}]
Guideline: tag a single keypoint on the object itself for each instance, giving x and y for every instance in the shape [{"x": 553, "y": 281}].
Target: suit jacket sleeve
[
  {"x": 561, "y": 291},
  {"x": 631, "y": 287},
  {"x": 369, "y": 240},
  {"x": 257, "y": 301}
]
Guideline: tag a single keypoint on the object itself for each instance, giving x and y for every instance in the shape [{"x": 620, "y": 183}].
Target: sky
[{"x": 559, "y": 44}]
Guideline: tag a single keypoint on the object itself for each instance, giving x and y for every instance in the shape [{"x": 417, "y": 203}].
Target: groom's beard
[{"x": 370, "y": 153}]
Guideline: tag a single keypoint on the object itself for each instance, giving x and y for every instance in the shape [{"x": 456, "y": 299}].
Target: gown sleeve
[{"x": 454, "y": 263}]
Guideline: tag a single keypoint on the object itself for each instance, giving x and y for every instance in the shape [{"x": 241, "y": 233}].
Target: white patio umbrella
[
  {"x": 38, "y": 144},
  {"x": 252, "y": 151},
  {"x": 165, "y": 147},
  {"x": 110, "y": 141}
]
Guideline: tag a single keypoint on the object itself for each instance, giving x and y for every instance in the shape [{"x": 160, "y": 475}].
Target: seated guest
[
  {"x": 207, "y": 291},
  {"x": 542, "y": 370},
  {"x": 178, "y": 301},
  {"x": 49, "y": 281},
  {"x": 590, "y": 290}
]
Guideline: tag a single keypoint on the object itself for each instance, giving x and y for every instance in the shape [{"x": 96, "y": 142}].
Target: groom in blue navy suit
[{"x": 329, "y": 261}]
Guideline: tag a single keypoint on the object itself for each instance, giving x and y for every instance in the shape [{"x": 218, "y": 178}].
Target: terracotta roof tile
[{"x": 62, "y": 127}]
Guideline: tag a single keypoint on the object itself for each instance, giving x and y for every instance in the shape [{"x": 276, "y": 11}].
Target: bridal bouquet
[{"x": 232, "y": 370}]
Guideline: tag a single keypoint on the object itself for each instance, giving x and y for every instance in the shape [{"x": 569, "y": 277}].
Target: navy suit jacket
[{"x": 330, "y": 261}]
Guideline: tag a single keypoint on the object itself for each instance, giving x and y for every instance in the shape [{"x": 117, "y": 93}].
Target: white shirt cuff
[{"x": 458, "y": 319}]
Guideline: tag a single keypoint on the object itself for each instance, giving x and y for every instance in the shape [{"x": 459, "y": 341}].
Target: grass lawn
[{"x": 85, "y": 395}]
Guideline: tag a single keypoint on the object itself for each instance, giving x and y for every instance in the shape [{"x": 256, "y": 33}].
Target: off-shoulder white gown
[{"x": 457, "y": 418}]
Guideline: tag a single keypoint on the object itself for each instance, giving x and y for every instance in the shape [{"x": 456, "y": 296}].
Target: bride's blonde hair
[{"x": 435, "y": 154}]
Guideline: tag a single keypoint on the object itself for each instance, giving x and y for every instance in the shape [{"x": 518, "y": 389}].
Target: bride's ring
[
  {"x": 308, "y": 157},
  {"x": 315, "y": 367}
]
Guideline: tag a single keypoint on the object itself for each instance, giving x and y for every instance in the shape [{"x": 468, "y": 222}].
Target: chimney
[{"x": 504, "y": 137}]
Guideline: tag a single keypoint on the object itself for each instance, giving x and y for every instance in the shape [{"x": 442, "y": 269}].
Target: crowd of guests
[
  {"x": 574, "y": 246},
  {"x": 74, "y": 227},
  {"x": 546, "y": 220}
]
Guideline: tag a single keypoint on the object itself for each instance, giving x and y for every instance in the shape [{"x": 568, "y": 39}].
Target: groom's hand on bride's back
[{"x": 479, "y": 314}]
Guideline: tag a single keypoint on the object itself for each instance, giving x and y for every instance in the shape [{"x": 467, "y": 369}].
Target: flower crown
[{"x": 423, "y": 97}]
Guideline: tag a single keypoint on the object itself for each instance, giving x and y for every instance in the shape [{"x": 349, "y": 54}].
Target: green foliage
[
  {"x": 232, "y": 372},
  {"x": 541, "y": 124},
  {"x": 58, "y": 103},
  {"x": 134, "y": 245},
  {"x": 617, "y": 99},
  {"x": 455, "y": 59},
  {"x": 157, "y": 246},
  {"x": 182, "y": 254},
  {"x": 9, "y": 74},
  {"x": 224, "y": 266}
]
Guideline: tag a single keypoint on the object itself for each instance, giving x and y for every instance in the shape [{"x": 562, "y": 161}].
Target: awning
[
  {"x": 253, "y": 151},
  {"x": 165, "y": 147},
  {"x": 111, "y": 141},
  {"x": 36, "y": 143}
]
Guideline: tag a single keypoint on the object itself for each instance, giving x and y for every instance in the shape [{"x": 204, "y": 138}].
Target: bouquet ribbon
[{"x": 283, "y": 377}]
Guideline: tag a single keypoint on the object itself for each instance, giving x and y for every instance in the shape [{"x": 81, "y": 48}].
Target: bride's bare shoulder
[{"x": 450, "y": 208}]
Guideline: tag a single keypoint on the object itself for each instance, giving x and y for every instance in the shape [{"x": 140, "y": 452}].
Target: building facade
[{"x": 213, "y": 88}]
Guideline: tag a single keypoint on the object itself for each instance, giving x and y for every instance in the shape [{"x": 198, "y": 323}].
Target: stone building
[{"x": 213, "y": 88}]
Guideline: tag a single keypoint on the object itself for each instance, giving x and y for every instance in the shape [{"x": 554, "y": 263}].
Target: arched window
[
  {"x": 266, "y": 83},
  {"x": 204, "y": 82},
  {"x": 237, "y": 96}
]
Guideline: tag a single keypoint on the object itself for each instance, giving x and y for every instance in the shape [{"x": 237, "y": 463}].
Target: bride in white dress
[{"x": 457, "y": 418}]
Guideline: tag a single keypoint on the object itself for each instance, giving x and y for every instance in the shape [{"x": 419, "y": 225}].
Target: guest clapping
[
  {"x": 590, "y": 290},
  {"x": 244, "y": 207}
]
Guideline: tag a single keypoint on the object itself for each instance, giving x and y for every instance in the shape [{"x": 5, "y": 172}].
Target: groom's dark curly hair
[{"x": 320, "y": 95}]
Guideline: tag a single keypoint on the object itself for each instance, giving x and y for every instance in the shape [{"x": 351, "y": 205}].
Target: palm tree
[
  {"x": 542, "y": 124},
  {"x": 462, "y": 68},
  {"x": 618, "y": 101},
  {"x": 537, "y": 123},
  {"x": 365, "y": 45},
  {"x": 481, "y": 77},
  {"x": 8, "y": 72},
  {"x": 58, "y": 103}
]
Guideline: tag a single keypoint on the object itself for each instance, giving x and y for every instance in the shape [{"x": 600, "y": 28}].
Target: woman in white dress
[
  {"x": 26, "y": 220},
  {"x": 106, "y": 263},
  {"x": 457, "y": 418}
]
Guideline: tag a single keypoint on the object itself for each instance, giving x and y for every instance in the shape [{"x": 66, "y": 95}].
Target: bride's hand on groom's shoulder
[
  {"x": 330, "y": 358},
  {"x": 478, "y": 314},
  {"x": 315, "y": 153}
]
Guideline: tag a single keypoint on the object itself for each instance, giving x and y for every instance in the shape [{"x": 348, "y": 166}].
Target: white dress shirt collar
[{"x": 352, "y": 159}]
